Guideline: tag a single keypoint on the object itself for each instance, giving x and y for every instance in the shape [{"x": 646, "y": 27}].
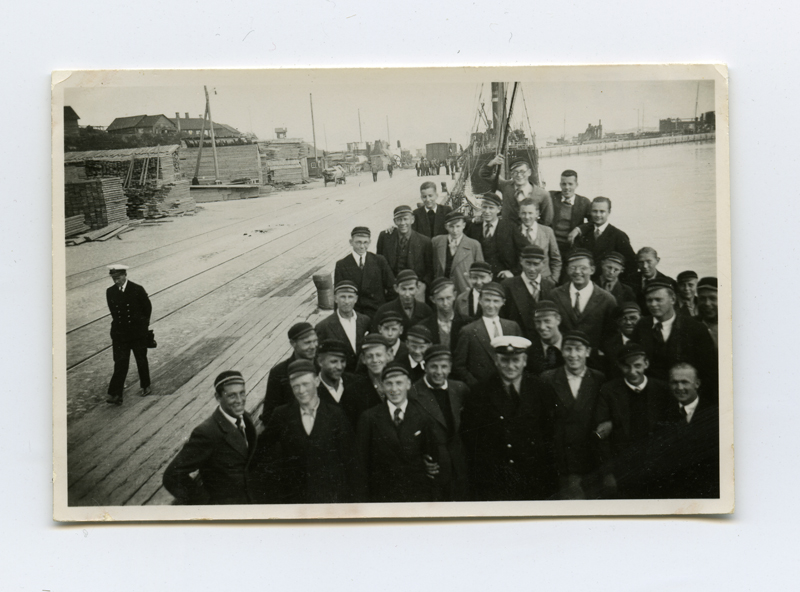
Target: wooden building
[
  {"x": 141, "y": 124},
  {"x": 71, "y": 118}
]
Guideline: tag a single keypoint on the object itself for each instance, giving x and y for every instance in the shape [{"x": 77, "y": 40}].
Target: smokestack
[
  {"x": 187, "y": 115},
  {"x": 178, "y": 120}
]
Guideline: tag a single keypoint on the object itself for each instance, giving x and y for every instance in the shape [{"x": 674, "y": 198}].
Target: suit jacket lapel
[
  {"x": 520, "y": 293},
  {"x": 563, "y": 296},
  {"x": 232, "y": 435},
  {"x": 584, "y": 391},
  {"x": 386, "y": 425},
  {"x": 426, "y": 398},
  {"x": 462, "y": 252},
  {"x": 562, "y": 388},
  {"x": 440, "y": 253},
  {"x": 484, "y": 338}
]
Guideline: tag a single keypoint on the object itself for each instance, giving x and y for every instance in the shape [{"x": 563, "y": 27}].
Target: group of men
[
  {"x": 427, "y": 167},
  {"x": 526, "y": 354}
]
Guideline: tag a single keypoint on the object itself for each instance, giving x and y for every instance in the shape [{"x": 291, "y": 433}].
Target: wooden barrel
[{"x": 324, "y": 284}]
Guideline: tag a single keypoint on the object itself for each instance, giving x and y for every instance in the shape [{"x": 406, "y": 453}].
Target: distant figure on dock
[
  {"x": 221, "y": 449},
  {"x": 130, "y": 310},
  {"x": 417, "y": 166},
  {"x": 429, "y": 217},
  {"x": 345, "y": 325},
  {"x": 600, "y": 238},
  {"x": 517, "y": 189},
  {"x": 374, "y": 168},
  {"x": 390, "y": 169},
  {"x": 455, "y": 253},
  {"x": 304, "y": 341},
  {"x": 570, "y": 210},
  {"x": 369, "y": 272}
]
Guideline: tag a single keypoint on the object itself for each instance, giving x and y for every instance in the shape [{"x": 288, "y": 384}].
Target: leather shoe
[
  {"x": 114, "y": 400},
  {"x": 146, "y": 391}
]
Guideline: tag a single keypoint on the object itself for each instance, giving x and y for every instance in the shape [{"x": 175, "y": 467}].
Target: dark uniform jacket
[
  {"x": 538, "y": 360},
  {"x": 453, "y": 484},
  {"x": 611, "y": 239},
  {"x": 519, "y": 303},
  {"x": 358, "y": 396},
  {"x": 501, "y": 250},
  {"x": 421, "y": 312},
  {"x": 422, "y": 225},
  {"x": 392, "y": 456},
  {"x": 375, "y": 282},
  {"x": 509, "y": 441},
  {"x": 574, "y": 421},
  {"x": 420, "y": 255},
  {"x": 331, "y": 328},
  {"x": 473, "y": 360},
  {"x": 130, "y": 312},
  {"x": 621, "y": 292},
  {"x": 215, "y": 448},
  {"x": 596, "y": 320},
  {"x": 459, "y": 321},
  {"x": 316, "y": 468},
  {"x": 637, "y": 283},
  {"x": 279, "y": 391}
]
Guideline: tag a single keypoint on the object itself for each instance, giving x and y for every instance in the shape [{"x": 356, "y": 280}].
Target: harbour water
[{"x": 662, "y": 196}]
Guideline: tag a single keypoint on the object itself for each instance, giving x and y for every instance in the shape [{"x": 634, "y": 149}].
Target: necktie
[
  {"x": 487, "y": 230},
  {"x": 577, "y": 307},
  {"x": 552, "y": 356},
  {"x": 121, "y": 290},
  {"x": 683, "y": 413},
  {"x": 534, "y": 291},
  {"x": 529, "y": 235},
  {"x": 403, "y": 242},
  {"x": 659, "y": 336},
  {"x": 398, "y": 419},
  {"x": 431, "y": 220},
  {"x": 609, "y": 286},
  {"x": 519, "y": 195},
  {"x": 596, "y": 233},
  {"x": 240, "y": 427},
  {"x": 361, "y": 262}
]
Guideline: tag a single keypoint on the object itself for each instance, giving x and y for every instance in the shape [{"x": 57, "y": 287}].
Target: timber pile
[
  {"x": 149, "y": 163},
  {"x": 285, "y": 149},
  {"x": 75, "y": 225},
  {"x": 100, "y": 201},
  {"x": 285, "y": 171},
  {"x": 235, "y": 162},
  {"x": 152, "y": 201}
]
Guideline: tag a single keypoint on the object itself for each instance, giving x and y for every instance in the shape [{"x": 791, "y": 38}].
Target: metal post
[{"x": 313, "y": 129}]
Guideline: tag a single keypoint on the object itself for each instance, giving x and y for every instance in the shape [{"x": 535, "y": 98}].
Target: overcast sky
[{"x": 437, "y": 110}]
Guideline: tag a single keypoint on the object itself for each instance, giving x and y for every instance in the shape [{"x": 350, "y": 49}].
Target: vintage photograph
[{"x": 391, "y": 293}]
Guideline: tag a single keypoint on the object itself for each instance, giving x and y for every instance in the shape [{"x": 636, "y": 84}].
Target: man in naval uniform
[{"x": 130, "y": 319}]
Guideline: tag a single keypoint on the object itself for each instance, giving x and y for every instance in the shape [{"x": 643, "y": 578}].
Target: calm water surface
[{"x": 662, "y": 196}]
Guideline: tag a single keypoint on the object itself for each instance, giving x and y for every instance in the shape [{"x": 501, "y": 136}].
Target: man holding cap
[
  {"x": 454, "y": 253},
  {"x": 707, "y": 308},
  {"x": 576, "y": 389},
  {"x": 545, "y": 353},
  {"x": 468, "y": 303},
  {"x": 584, "y": 305},
  {"x": 626, "y": 315},
  {"x": 446, "y": 322},
  {"x": 600, "y": 237},
  {"x": 318, "y": 458},
  {"x": 130, "y": 310},
  {"x": 398, "y": 446},
  {"x": 532, "y": 233},
  {"x": 304, "y": 341},
  {"x": 612, "y": 265},
  {"x": 411, "y": 310},
  {"x": 496, "y": 237},
  {"x": 346, "y": 325},
  {"x": 442, "y": 399},
  {"x": 369, "y": 272},
  {"x": 505, "y": 429},
  {"x": 518, "y": 188},
  {"x": 473, "y": 361},
  {"x": 221, "y": 449},
  {"x": 406, "y": 248},
  {"x": 687, "y": 293},
  {"x": 528, "y": 288},
  {"x": 351, "y": 392},
  {"x": 430, "y": 216},
  {"x": 630, "y": 411},
  {"x": 669, "y": 338}
]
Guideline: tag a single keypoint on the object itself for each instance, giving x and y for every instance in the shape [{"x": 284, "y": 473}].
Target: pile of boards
[
  {"x": 154, "y": 201},
  {"x": 75, "y": 225},
  {"x": 285, "y": 171},
  {"x": 101, "y": 234},
  {"x": 101, "y": 202}
]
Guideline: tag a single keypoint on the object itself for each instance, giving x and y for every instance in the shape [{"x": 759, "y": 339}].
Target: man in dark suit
[
  {"x": 368, "y": 271},
  {"x": 318, "y": 457},
  {"x": 430, "y": 216},
  {"x": 221, "y": 449},
  {"x": 446, "y": 322},
  {"x": 584, "y": 305},
  {"x": 304, "y": 341},
  {"x": 506, "y": 430},
  {"x": 576, "y": 388},
  {"x": 130, "y": 310},
  {"x": 625, "y": 316},
  {"x": 670, "y": 338},
  {"x": 647, "y": 261},
  {"x": 707, "y": 307},
  {"x": 454, "y": 253},
  {"x": 352, "y": 393},
  {"x": 345, "y": 325},
  {"x": 687, "y": 293},
  {"x": 468, "y": 303},
  {"x": 688, "y": 463},
  {"x": 474, "y": 356},
  {"x": 525, "y": 290},
  {"x": 630, "y": 412},
  {"x": 375, "y": 356},
  {"x": 398, "y": 445},
  {"x": 496, "y": 237},
  {"x": 612, "y": 264},
  {"x": 545, "y": 351},
  {"x": 410, "y": 309},
  {"x": 404, "y": 248},
  {"x": 418, "y": 340},
  {"x": 517, "y": 189},
  {"x": 600, "y": 237},
  {"x": 390, "y": 327},
  {"x": 569, "y": 210},
  {"x": 443, "y": 400}
]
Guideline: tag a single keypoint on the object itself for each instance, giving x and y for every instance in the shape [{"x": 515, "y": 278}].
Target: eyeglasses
[{"x": 572, "y": 268}]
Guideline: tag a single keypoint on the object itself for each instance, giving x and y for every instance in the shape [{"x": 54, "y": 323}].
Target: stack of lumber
[
  {"x": 154, "y": 201},
  {"x": 74, "y": 173},
  {"x": 286, "y": 171},
  {"x": 161, "y": 163},
  {"x": 235, "y": 162},
  {"x": 100, "y": 201},
  {"x": 286, "y": 149},
  {"x": 74, "y": 225}
]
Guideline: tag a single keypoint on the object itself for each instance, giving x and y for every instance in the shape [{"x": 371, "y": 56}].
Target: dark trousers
[
  {"x": 374, "y": 177},
  {"x": 390, "y": 173},
  {"x": 122, "y": 356}
]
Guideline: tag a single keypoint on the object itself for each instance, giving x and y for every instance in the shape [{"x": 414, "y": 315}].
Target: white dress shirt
[
  {"x": 360, "y": 259},
  {"x": 336, "y": 393},
  {"x": 585, "y": 293},
  {"x": 639, "y": 388},
  {"x": 230, "y": 418},
  {"x": 598, "y": 230},
  {"x": 433, "y": 209},
  {"x": 666, "y": 326},
  {"x": 123, "y": 286},
  {"x": 308, "y": 415},
  {"x": 394, "y": 348},
  {"x": 570, "y": 201},
  {"x": 493, "y": 327},
  {"x": 452, "y": 244},
  {"x": 531, "y": 232},
  {"x": 574, "y": 381},
  {"x": 413, "y": 363},
  {"x": 531, "y": 284},
  {"x": 402, "y": 407},
  {"x": 430, "y": 386},
  {"x": 349, "y": 326},
  {"x": 492, "y": 228},
  {"x": 690, "y": 409}
]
